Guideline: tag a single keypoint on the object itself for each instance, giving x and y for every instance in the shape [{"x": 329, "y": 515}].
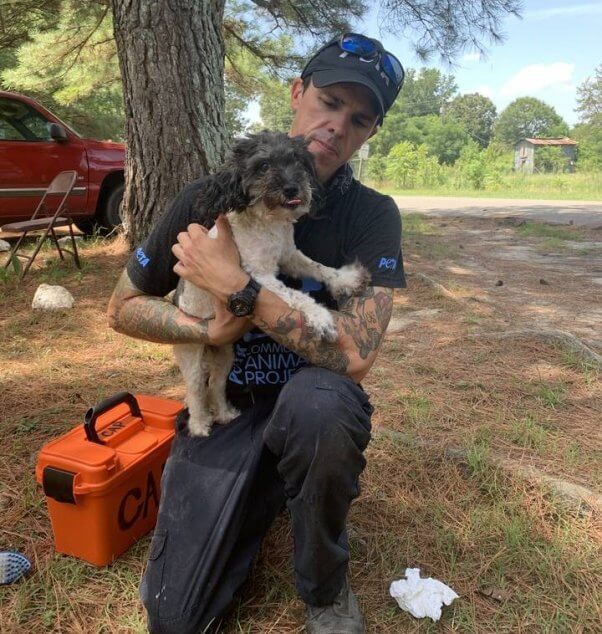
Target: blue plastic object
[{"x": 12, "y": 567}]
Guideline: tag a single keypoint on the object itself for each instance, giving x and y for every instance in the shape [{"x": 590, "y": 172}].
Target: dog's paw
[
  {"x": 226, "y": 415},
  {"x": 199, "y": 428},
  {"x": 321, "y": 322},
  {"x": 351, "y": 279}
]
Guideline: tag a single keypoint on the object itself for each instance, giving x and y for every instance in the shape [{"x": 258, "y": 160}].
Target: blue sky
[{"x": 546, "y": 54}]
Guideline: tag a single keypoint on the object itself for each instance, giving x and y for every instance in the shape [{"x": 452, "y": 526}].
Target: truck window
[{"x": 20, "y": 122}]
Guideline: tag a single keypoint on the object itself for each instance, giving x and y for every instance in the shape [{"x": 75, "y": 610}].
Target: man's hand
[{"x": 212, "y": 264}]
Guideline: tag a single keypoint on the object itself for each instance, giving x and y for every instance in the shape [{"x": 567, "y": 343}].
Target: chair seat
[{"x": 38, "y": 223}]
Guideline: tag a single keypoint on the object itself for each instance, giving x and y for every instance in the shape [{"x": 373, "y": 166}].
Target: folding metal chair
[{"x": 61, "y": 185}]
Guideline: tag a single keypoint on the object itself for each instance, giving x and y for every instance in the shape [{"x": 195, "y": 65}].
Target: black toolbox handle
[{"x": 100, "y": 408}]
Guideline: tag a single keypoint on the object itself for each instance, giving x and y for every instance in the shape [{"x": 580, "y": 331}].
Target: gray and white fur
[{"x": 264, "y": 188}]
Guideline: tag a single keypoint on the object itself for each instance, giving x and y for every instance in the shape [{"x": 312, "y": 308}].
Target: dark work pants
[{"x": 221, "y": 493}]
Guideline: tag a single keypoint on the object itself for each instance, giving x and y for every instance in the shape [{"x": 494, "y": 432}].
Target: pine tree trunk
[{"x": 171, "y": 56}]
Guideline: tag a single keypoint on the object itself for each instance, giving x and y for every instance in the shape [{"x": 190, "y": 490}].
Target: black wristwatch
[{"x": 242, "y": 303}]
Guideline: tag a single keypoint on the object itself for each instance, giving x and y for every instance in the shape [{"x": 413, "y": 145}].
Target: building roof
[{"x": 563, "y": 141}]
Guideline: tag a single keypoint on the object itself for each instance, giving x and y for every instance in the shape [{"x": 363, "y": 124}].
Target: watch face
[
  {"x": 240, "y": 307},
  {"x": 242, "y": 303}
]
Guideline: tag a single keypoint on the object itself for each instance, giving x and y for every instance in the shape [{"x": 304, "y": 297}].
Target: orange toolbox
[{"x": 101, "y": 479}]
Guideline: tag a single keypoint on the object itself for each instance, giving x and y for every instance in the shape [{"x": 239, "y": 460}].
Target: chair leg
[
  {"x": 13, "y": 251},
  {"x": 32, "y": 257},
  {"x": 75, "y": 253},
  {"x": 56, "y": 244}
]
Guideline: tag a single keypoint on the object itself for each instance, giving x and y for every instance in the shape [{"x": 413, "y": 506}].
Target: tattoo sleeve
[
  {"x": 151, "y": 318},
  {"x": 361, "y": 322}
]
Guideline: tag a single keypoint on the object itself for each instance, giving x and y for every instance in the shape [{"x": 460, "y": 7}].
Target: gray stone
[
  {"x": 49, "y": 297},
  {"x": 4, "y": 245}
]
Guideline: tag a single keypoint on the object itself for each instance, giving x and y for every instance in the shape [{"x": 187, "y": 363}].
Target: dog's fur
[{"x": 264, "y": 171}]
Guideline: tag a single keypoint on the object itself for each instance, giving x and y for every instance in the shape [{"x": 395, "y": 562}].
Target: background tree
[
  {"x": 588, "y": 132},
  {"x": 446, "y": 140},
  {"x": 529, "y": 117},
  {"x": 274, "y": 106},
  {"x": 589, "y": 98},
  {"x": 476, "y": 113},
  {"x": 425, "y": 93}
]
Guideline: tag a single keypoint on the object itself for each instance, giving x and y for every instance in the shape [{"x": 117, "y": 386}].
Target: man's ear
[
  {"x": 375, "y": 129},
  {"x": 296, "y": 93}
]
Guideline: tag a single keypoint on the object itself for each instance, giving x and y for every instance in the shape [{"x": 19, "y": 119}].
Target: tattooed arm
[
  {"x": 361, "y": 323},
  {"x": 132, "y": 312}
]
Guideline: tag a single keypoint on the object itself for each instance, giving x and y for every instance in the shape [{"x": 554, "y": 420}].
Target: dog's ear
[
  {"x": 241, "y": 150},
  {"x": 222, "y": 192}
]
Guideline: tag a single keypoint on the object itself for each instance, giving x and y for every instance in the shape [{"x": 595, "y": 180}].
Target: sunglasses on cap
[
  {"x": 363, "y": 46},
  {"x": 367, "y": 49}
]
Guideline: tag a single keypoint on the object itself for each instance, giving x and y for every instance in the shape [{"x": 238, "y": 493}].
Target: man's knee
[{"x": 318, "y": 407}]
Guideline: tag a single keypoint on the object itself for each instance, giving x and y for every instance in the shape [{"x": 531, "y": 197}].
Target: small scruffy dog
[{"x": 264, "y": 188}]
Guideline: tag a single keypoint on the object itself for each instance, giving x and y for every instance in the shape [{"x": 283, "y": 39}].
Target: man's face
[{"x": 337, "y": 120}]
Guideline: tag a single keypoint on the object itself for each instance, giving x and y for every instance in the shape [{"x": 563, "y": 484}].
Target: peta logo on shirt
[
  {"x": 389, "y": 264},
  {"x": 142, "y": 257}
]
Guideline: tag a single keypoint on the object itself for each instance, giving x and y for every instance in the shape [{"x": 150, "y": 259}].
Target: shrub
[{"x": 377, "y": 166}]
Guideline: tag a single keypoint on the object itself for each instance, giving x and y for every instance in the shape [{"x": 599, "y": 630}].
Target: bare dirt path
[{"x": 578, "y": 212}]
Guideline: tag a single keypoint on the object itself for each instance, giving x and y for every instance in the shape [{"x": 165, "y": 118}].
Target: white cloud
[
  {"x": 471, "y": 57},
  {"x": 537, "y": 77},
  {"x": 591, "y": 8}
]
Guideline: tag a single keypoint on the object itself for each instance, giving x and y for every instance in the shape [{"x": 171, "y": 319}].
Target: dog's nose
[{"x": 291, "y": 191}]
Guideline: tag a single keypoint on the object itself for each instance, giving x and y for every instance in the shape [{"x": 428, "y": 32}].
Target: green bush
[
  {"x": 401, "y": 165},
  {"x": 376, "y": 168},
  {"x": 471, "y": 166},
  {"x": 551, "y": 159},
  {"x": 408, "y": 166}
]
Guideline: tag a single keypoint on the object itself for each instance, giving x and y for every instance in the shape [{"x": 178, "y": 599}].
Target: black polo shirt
[{"x": 353, "y": 222}]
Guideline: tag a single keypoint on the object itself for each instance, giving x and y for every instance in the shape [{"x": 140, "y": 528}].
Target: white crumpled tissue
[{"x": 421, "y": 597}]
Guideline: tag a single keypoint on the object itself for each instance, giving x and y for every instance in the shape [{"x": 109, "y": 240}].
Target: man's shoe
[{"x": 342, "y": 617}]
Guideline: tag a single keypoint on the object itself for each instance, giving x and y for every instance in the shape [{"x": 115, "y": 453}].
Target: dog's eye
[{"x": 263, "y": 167}]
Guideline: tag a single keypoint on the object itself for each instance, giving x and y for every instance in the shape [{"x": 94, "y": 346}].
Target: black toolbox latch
[{"x": 58, "y": 484}]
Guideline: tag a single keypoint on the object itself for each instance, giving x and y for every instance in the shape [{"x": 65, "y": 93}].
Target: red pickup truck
[{"x": 35, "y": 146}]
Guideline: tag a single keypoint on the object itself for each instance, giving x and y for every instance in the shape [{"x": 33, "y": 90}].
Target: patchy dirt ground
[
  {"x": 546, "y": 281},
  {"x": 503, "y": 275},
  {"x": 440, "y": 386}
]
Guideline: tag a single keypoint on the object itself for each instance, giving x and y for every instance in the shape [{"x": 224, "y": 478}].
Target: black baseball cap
[{"x": 333, "y": 65}]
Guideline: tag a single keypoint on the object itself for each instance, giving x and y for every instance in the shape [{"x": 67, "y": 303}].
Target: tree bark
[{"x": 171, "y": 56}]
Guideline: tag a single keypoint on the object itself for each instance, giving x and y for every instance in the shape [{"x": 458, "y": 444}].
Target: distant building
[{"x": 524, "y": 155}]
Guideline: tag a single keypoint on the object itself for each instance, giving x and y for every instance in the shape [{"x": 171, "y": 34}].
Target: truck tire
[
  {"x": 110, "y": 216},
  {"x": 107, "y": 218}
]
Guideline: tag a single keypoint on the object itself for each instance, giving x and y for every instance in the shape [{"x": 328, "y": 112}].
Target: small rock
[
  {"x": 499, "y": 283},
  {"x": 496, "y": 593},
  {"x": 4, "y": 245},
  {"x": 461, "y": 246},
  {"x": 571, "y": 222},
  {"x": 542, "y": 281},
  {"x": 48, "y": 297},
  {"x": 66, "y": 240}
]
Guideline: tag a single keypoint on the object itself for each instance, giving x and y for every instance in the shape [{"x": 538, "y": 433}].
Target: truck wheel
[{"x": 110, "y": 216}]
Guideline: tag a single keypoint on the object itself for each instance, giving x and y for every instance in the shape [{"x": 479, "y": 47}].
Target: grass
[
  {"x": 529, "y": 434},
  {"x": 551, "y": 395},
  {"x": 587, "y": 187},
  {"x": 415, "y": 224},
  {"x": 472, "y": 524},
  {"x": 543, "y": 230},
  {"x": 416, "y": 408}
]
